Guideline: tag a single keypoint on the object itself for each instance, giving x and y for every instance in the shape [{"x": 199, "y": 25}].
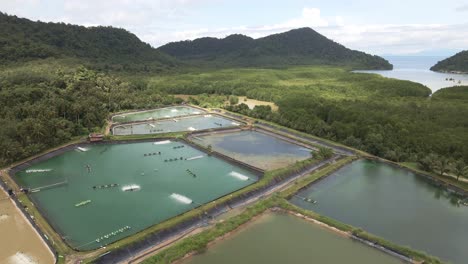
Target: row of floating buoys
[
  {"x": 105, "y": 186},
  {"x": 156, "y": 130},
  {"x": 174, "y": 159},
  {"x": 121, "y": 230},
  {"x": 152, "y": 154},
  {"x": 191, "y": 173},
  {"x": 178, "y": 147}
]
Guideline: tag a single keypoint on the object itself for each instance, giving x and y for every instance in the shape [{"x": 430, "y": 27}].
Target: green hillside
[
  {"x": 104, "y": 47},
  {"x": 456, "y": 63},
  {"x": 302, "y": 46}
]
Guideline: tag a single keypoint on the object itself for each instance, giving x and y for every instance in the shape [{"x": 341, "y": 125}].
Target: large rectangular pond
[
  {"x": 101, "y": 193},
  {"x": 256, "y": 148},
  {"x": 395, "y": 204},
  {"x": 279, "y": 238},
  {"x": 192, "y": 123},
  {"x": 166, "y": 112},
  {"x": 19, "y": 242}
]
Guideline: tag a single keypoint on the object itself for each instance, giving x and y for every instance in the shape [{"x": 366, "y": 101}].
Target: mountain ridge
[{"x": 303, "y": 46}]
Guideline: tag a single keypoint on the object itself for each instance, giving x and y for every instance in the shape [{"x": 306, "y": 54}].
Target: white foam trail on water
[
  {"x": 174, "y": 110},
  {"x": 238, "y": 175},
  {"x": 38, "y": 170},
  {"x": 21, "y": 258},
  {"x": 151, "y": 125},
  {"x": 82, "y": 149},
  {"x": 235, "y": 124},
  {"x": 166, "y": 116},
  {"x": 131, "y": 187},
  {"x": 149, "y": 118},
  {"x": 197, "y": 157},
  {"x": 181, "y": 198},
  {"x": 191, "y": 129},
  {"x": 175, "y": 120},
  {"x": 208, "y": 115},
  {"x": 162, "y": 142},
  {"x": 196, "y": 112}
]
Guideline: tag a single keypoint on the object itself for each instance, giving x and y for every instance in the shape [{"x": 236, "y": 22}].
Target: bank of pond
[{"x": 395, "y": 204}]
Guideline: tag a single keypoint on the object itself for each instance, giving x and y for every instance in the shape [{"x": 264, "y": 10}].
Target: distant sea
[{"x": 416, "y": 69}]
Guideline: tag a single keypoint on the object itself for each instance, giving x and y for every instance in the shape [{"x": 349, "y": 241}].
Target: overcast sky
[{"x": 383, "y": 27}]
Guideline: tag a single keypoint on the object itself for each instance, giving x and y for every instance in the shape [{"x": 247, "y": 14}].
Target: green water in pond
[
  {"x": 256, "y": 148},
  {"x": 176, "y": 125},
  {"x": 167, "y": 112},
  {"x": 196, "y": 177},
  {"x": 395, "y": 204},
  {"x": 278, "y": 238}
]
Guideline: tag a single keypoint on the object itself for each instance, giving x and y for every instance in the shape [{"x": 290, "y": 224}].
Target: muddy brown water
[{"x": 19, "y": 242}]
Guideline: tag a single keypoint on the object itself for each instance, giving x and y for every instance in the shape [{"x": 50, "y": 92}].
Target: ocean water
[{"x": 416, "y": 69}]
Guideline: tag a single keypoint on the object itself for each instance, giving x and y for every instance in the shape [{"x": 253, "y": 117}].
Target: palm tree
[
  {"x": 442, "y": 165},
  {"x": 460, "y": 169}
]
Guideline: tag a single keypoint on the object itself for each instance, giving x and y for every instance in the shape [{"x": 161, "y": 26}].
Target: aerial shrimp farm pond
[
  {"x": 192, "y": 123},
  {"x": 263, "y": 150},
  {"x": 283, "y": 238},
  {"x": 395, "y": 204},
  {"x": 97, "y": 194},
  {"x": 166, "y": 112}
]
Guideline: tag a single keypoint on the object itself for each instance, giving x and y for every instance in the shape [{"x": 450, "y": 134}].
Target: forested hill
[
  {"x": 302, "y": 46},
  {"x": 456, "y": 63},
  {"x": 106, "y": 47}
]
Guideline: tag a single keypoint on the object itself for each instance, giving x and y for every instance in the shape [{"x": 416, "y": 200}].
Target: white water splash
[
  {"x": 196, "y": 112},
  {"x": 191, "y": 129},
  {"x": 38, "y": 170},
  {"x": 174, "y": 110},
  {"x": 175, "y": 120},
  {"x": 151, "y": 125},
  {"x": 235, "y": 124},
  {"x": 162, "y": 142},
  {"x": 238, "y": 176},
  {"x": 197, "y": 157},
  {"x": 21, "y": 258},
  {"x": 82, "y": 149},
  {"x": 131, "y": 187},
  {"x": 181, "y": 198},
  {"x": 208, "y": 115}
]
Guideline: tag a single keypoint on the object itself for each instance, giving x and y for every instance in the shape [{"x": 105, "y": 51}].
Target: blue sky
[{"x": 378, "y": 27}]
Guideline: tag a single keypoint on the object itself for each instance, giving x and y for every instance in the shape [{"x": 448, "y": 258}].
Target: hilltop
[{"x": 302, "y": 46}]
